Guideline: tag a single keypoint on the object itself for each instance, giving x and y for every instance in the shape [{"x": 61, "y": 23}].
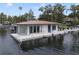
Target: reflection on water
[{"x": 69, "y": 44}]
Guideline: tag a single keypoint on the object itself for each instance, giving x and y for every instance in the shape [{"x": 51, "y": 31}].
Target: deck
[
  {"x": 21, "y": 38},
  {"x": 33, "y": 36}
]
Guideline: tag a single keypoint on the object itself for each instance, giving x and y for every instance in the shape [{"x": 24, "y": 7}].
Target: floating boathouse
[{"x": 34, "y": 29}]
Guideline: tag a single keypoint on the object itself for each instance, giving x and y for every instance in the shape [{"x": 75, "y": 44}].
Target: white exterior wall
[
  {"x": 51, "y": 29},
  {"x": 44, "y": 28},
  {"x": 40, "y": 29},
  {"x": 22, "y": 29},
  {"x": 18, "y": 29},
  {"x": 28, "y": 30},
  {"x": 56, "y": 27}
]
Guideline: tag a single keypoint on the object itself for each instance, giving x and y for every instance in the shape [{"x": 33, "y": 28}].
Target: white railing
[
  {"x": 65, "y": 30},
  {"x": 71, "y": 29}
]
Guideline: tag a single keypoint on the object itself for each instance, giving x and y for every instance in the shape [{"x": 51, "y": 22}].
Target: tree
[
  {"x": 58, "y": 12},
  {"x": 30, "y": 15},
  {"x": 3, "y": 17},
  {"x": 20, "y": 8},
  {"x": 9, "y": 19},
  {"x": 52, "y": 13},
  {"x": 15, "y": 19},
  {"x": 75, "y": 13},
  {"x": 73, "y": 9},
  {"x": 46, "y": 12}
]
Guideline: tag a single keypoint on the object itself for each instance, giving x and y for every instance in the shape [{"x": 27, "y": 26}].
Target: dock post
[
  {"x": 49, "y": 41},
  {"x": 54, "y": 41}
]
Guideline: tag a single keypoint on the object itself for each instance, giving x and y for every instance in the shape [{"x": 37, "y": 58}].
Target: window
[
  {"x": 37, "y": 29},
  {"x": 53, "y": 27},
  {"x": 30, "y": 29},
  {"x": 49, "y": 28},
  {"x": 34, "y": 29}
]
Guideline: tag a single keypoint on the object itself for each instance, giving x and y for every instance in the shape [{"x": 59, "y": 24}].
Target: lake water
[{"x": 69, "y": 46}]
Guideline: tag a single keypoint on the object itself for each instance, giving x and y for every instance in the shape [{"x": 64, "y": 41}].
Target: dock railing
[{"x": 75, "y": 28}]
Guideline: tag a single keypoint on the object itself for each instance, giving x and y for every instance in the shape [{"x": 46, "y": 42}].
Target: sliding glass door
[
  {"x": 49, "y": 28},
  {"x": 34, "y": 29}
]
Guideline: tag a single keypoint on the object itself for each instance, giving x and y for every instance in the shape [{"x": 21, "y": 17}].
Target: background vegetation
[{"x": 50, "y": 13}]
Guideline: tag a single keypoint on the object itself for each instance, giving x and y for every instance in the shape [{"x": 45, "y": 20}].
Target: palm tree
[
  {"x": 20, "y": 8},
  {"x": 42, "y": 9}
]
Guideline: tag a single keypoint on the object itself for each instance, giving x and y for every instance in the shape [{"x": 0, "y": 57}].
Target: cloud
[{"x": 9, "y": 4}]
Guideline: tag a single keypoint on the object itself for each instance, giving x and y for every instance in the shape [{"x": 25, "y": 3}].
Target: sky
[{"x": 13, "y": 8}]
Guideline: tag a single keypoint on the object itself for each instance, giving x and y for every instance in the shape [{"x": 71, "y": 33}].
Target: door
[{"x": 49, "y": 28}]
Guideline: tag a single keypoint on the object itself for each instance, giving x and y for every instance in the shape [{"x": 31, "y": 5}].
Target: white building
[
  {"x": 36, "y": 26},
  {"x": 35, "y": 29}
]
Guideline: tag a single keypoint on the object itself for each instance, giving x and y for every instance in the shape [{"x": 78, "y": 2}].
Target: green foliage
[
  {"x": 3, "y": 18},
  {"x": 49, "y": 13},
  {"x": 14, "y": 19},
  {"x": 52, "y": 13}
]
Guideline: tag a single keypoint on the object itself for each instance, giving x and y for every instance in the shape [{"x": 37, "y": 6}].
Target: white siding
[
  {"x": 56, "y": 27},
  {"x": 22, "y": 29},
  {"x": 44, "y": 28},
  {"x": 28, "y": 30},
  {"x": 40, "y": 28},
  {"x": 18, "y": 29}
]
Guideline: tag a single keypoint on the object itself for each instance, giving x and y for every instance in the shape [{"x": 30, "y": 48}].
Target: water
[{"x": 69, "y": 45}]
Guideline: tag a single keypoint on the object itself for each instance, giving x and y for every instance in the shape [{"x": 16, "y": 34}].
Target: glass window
[
  {"x": 30, "y": 29},
  {"x": 49, "y": 28},
  {"x": 37, "y": 29},
  {"x": 34, "y": 29},
  {"x": 53, "y": 27}
]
